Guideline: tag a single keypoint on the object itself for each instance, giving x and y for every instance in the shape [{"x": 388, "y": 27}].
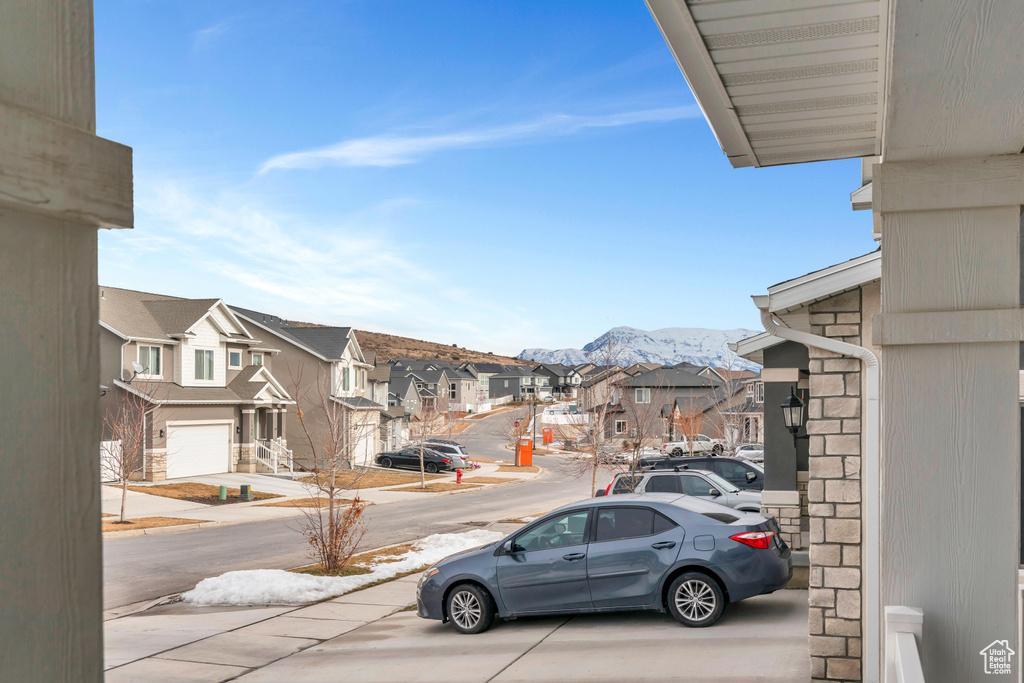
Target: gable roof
[
  {"x": 252, "y": 382},
  {"x": 133, "y": 314},
  {"x": 329, "y": 343},
  {"x": 667, "y": 378},
  {"x": 379, "y": 373},
  {"x": 824, "y": 283}
]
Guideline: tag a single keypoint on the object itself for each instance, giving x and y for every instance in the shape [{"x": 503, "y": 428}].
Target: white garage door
[
  {"x": 198, "y": 449},
  {"x": 363, "y": 453}
]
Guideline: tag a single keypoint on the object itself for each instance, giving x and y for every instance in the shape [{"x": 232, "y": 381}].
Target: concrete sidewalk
[
  {"x": 146, "y": 505},
  {"x": 368, "y": 636}
]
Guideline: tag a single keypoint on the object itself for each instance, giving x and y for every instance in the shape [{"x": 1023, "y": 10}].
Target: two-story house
[
  {"x": 520, "y": 382},
  {"x": 564, "y": 380},
  {"x": 215, "y": 405},
  {"x": 321, "y": 366}
]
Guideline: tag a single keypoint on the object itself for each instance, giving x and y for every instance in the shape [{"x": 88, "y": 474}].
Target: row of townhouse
[{"x": 224, "y": 385}]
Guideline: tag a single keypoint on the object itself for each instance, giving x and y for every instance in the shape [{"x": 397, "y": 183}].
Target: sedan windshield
[{"x": 721, "y": 483}]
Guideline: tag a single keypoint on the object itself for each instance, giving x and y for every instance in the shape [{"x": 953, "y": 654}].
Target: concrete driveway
[{"x": 366, "y": 636}]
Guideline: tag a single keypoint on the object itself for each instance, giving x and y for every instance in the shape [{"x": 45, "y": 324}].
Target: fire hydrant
[{"x": 458, "y": 476}]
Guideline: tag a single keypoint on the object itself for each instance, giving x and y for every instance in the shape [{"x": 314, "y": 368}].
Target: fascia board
[
  {"x": 860, "y": 199},
  {"x": 111, "y": 329},
  {"x": 825, "y": 283},
  {"x": 687, "y": 46}
]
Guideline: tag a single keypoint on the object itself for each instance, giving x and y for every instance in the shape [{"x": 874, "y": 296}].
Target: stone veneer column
[
  {"x": 246, "y": 448},
  {"x": 834, "y": 493}
]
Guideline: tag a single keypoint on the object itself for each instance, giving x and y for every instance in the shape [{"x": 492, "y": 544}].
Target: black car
[
  {"x": 433, "y": 461},
  {"x": 740, "y": 473}
]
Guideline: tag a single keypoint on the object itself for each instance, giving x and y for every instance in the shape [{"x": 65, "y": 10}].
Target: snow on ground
[{"x": 279, "y": 587}]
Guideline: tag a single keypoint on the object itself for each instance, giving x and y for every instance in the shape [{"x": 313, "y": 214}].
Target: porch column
[
  {"x": 246, "y": 448},
  {"x": 273, "y": 419},
  {"x": 951, "y": 328},
  {"x": 58, "y": 183},
  {"x": 281, "y": 422}
]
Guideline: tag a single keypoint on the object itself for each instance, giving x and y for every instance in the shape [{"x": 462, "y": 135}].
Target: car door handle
[
  {"x": 574, "y": 556},
  {"x": 663, "y": 544}
]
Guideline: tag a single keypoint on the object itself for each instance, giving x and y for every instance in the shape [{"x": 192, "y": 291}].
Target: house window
[
  {"x": 452, "y": 390},
  {"x": 257, "y": 359},
  {"x": 643, "y": 395},
  {"x": 759, "y": 392},
  {"x": 620, "y": 426},
  {"x": 150, "y": 358},
  {"x": 344, "y": 379},
  {"x": 506, "y": 384},
  {"x": 234, "y": 359},
  {"x": 204, "y": 364}
]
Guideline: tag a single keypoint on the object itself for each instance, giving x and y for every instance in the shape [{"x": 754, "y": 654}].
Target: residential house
[
  {"x": 324, "y": 368},
  {"x": 565, "y": 381},
  {"x": 520, "y": 382},
  {"x": 216, "y": 405},
  {"x": 483, "y": 373},
  {"x": 393, "y": 420},
  {"x": 402, "y": 393}
]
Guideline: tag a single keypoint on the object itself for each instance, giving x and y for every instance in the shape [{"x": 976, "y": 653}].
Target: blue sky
[{"x": 491, "y": 174}]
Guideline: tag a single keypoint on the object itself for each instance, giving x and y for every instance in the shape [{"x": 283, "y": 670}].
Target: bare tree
[
  {"x": 589, "y": 426},
  {"x": 514, "y": 427},
  {"x": 645, "y": 421},
  {"x": 725, "y": 422},
  {"x": 688, "y": 420},
  {"x": 423, "y": 427},
  {"x": 333, "y": 433},
  {"x": 124, "y": 436}
]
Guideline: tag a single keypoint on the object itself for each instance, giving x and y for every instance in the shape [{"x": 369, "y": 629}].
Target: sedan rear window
[
  {"x": 664, "y": 483},
  {"x": 614, "y": 524}
]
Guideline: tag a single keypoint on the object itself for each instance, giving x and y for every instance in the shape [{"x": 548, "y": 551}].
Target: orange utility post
[
  {"x": 549, "y": 436},
  {"x": 524, "y": 453}
]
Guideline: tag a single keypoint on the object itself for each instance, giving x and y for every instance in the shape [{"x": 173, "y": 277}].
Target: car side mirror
[
  {"x": 751, "y": 476},
  {"x": 509, "y": 547},
  {"x": 713, "y": 492}
]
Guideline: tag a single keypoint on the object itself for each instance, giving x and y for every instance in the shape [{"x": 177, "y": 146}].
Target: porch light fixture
[
  {"x": 161, "y": 433},
  {"x": 238, "y": 429},
  {"x": 793, "y": 414}
]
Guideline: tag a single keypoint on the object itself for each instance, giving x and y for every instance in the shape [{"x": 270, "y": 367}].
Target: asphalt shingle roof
[
  {"x": 666, "y": 378},
  {"x": 143, "y": 314},
  {"x": 329, "y": 342}
]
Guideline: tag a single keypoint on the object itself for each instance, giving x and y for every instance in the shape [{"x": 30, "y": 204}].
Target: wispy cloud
[
  {"x": 205, "y": 36},
  {"x": 395, "y": 150}
]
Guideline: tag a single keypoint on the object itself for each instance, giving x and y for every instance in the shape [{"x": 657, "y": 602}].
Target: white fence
[
  {"x": 902, "y": 658},
  {"x": 110, "y": 456}
]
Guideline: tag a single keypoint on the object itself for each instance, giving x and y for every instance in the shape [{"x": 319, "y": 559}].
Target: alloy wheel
[
  {"x": 695, "y": 600},
  {"x": 466, "y": 610}
]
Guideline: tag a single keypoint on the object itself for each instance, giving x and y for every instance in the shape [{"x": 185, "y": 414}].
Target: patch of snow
[
  {"x": 279, "y": 587},
  {"x": 669, "y": 346}
]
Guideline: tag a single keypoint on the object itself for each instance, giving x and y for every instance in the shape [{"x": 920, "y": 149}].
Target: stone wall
[
  {"x": 834, "y": 493},
  {"x": 788, "y": 518}
]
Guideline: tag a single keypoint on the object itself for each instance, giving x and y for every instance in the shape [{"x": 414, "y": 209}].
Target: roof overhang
[
  {"x": 783, "y": 82},
  {"x": 752, "y": 348},
  {"x": 822, "y": 284}
]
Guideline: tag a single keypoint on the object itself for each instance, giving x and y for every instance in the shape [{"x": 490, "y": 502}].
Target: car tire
[
  {"x": 695, "y": 600},
  {"x": 469, "y": 609},
  {"x": 677, "y": 453},
  {"x": 430, "y": 468},
  {"x": 386, "y": 462}
]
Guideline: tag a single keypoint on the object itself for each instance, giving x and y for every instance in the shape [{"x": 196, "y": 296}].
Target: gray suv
[{"x": 697, "y": 483}]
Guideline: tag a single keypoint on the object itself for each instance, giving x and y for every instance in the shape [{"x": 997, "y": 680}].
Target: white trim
[
  {"x": 824, "y": 283},
  {"x": 252, "y": 358},
  {"x": 751, "y": 348},
  {"x": 186, "y": 423},
  {"x": 111, "y": 329},
  {"x": 791, "y": 375},
  {"x": 780, "y": 498},
  {"x": 211, "y": 380},
  {"x": 228, "y": 359},
  {"x": 138, "y": 353},
  {"x": 860, "y": 199}
]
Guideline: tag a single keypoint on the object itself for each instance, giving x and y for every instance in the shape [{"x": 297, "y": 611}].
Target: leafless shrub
[{"x": 124, "y": 436}]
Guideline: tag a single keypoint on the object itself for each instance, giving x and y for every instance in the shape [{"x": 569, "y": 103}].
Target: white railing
[
  {"x": 273, "y": 454},
  {"x": 903, "y": 627},
  {"x": 501, "y": 400}
]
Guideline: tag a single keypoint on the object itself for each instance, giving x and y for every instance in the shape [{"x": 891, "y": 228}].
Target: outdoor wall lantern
[
  {"x": 238, "y": 429},
  {"x": 793, "y": 414},
  {"x": 161, "y": 433}
]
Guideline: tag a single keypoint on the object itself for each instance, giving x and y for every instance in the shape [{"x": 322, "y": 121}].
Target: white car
[
  {"x": 754, "y": 452},
  {"x": 701, "y": 444}
]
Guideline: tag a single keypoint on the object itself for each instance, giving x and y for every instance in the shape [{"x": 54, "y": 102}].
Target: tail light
[
  {"x": 608, "y": 490},
  {"x": 755, "y": 539},
  {"x": 447, "y": 460}
]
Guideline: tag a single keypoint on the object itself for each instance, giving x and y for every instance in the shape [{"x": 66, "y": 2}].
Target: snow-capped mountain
[{"x": 669, "y": 346}]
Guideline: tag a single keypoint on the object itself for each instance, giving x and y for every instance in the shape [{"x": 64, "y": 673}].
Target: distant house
[
  {"x": 402, "y": 393},
  {"x": 564, "y": 380},
  {"x": 215, "y": 400},
  {"x": 520, "y": 382},
  {"x": 484, "y": 372},
  {"x": 322, "y": 360}
]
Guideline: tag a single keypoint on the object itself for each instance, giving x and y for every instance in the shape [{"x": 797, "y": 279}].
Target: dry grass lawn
[
  {"x": 488, "y": 480},
  {"x": 439, "y": 486},
  {"x": 368, "y": 479},
  {"x": 146, "y": 523},
  {"x": 513, "y": 468},
  {"x": 305, "y": 503},
  {"x": 489, "y": 460},
  {"x": 191, "y": 490}
]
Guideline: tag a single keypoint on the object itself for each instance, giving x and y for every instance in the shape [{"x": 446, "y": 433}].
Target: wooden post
[
  {"x": 950, "y": 499},
  {"x": 58, "y": 183}
]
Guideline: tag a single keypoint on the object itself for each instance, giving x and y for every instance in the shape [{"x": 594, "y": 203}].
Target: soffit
[{"x": 783, "y": 81}]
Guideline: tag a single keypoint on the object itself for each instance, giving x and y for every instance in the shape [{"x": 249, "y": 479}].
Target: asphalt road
[{"x": 142, "y": 568}]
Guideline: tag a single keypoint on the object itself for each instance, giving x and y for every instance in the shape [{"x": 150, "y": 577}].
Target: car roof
[{"x": 678, "y": 500}]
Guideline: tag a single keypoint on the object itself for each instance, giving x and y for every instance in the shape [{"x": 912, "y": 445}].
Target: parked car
[
  {"x": 738, "y": 472},
  {"x": 696, "y": 558},
  {"x": 697, "y": 483},
  {"x": 456, "y": 451},
  {"x": 701, "y": 444},
  {"x": 433, "y": 461},
  {"x": 753, "y": 452}
]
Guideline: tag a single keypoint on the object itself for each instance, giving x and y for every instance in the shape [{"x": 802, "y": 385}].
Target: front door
[
  {"x": 547, "y": 570},
  {"x": 631, "y": 550}
]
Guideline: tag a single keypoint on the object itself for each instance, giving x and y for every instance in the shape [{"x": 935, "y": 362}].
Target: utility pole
[{"x": 534, "y": 420}]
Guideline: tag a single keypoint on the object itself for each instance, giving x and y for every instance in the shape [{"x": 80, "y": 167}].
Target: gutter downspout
[{"x": 870, "y": 473}]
